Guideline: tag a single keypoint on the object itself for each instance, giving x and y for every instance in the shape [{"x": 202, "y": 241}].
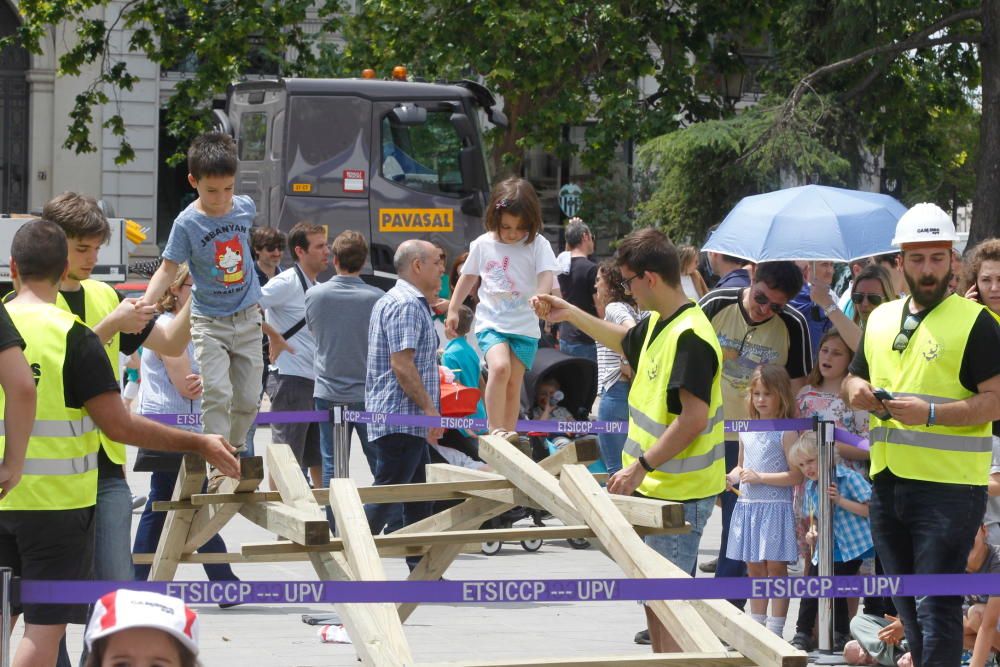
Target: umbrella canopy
[{"x": 810, "y": 223}]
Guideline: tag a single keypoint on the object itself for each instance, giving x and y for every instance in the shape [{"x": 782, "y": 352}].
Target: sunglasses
[
  {"x": 762, "y": 299},
  {"x": 873, "y": 299},
  {"x": 271, "y": 247},
  {"x": 905, "y": 333},
  {"x": 626, "y": 284}
]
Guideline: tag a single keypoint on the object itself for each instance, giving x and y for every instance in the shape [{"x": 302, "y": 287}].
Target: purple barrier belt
[
  {"x": 525, "y": 426},
  {"x": 517, "y": 590}
]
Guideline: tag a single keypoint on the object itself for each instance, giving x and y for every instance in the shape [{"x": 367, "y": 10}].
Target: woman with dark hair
[{"x": 614, "y": 375}]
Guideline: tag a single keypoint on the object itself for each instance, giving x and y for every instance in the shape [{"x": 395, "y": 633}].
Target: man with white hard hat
[{"x": 928, "y": 369}]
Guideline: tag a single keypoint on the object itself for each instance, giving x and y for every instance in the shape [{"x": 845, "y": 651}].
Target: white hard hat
[{"x": 924, "y": 223}]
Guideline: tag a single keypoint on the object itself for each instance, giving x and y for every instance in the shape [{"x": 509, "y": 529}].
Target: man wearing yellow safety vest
[
  {"x": 934, "y": 360},
  {"x": 47, "y": 520},
  {"x": 674, "y": 449},
  {"x": 122, "y": 327}
]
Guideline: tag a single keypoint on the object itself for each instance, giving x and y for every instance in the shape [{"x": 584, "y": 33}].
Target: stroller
[{"x": 577, "y": 379}]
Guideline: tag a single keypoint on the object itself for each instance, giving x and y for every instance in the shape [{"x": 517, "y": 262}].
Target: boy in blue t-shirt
[{"x": 213, "y": 236}]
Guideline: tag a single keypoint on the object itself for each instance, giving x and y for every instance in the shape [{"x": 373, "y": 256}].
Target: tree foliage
[{"x": 217, "y": 41}]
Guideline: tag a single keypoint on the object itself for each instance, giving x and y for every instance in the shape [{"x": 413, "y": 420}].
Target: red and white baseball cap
[{"x": 124, "y": 608}]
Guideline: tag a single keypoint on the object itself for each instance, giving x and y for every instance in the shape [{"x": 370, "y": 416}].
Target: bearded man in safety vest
[
  {"x": 938, "y": 358},
  {"x": 674, "y": 450}
]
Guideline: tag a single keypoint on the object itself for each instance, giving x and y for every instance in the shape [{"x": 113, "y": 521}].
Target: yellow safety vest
[
  {"x": 100, "y": 300},
  {"x": 60, "y": 467},
  {"x": 700, "y": 470},
  {"x": 929, "y": 368}
]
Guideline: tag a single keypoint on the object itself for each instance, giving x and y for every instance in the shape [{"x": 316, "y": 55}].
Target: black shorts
[
  {"x": 49, "y": 544},
  {"x": 292, "y": 393}
]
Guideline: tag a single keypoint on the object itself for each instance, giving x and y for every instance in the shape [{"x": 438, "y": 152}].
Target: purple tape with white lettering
[
  {"x": 524, "y": 426},
  {"x": 518, "y": 590}
]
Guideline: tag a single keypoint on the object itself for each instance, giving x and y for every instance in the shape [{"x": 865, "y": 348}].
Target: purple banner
[
  {"x": 523, "y": 425},
  {"x": 517, "y": 590}
]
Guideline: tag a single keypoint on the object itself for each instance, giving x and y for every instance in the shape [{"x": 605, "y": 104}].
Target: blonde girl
[
  {"x": 514, "y": 263},
  {"x": 762, "y": 529}
]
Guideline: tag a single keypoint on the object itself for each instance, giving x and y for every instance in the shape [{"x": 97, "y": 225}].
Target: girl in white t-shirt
[{"x": 514, "y": 263}]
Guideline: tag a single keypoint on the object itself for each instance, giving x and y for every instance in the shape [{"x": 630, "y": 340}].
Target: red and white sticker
[{"x": 354, "y": 180}]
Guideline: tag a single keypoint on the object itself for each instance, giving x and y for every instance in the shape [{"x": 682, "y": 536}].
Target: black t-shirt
[
  {"x": 980, "y": 359},
  {"x": 695, "y": 362},
  {"x": 578, "y": 287},
  {"x": 9, "y": 335},
  {"x": 87, "y": 372},
  {"x": 127, "y": 344}
]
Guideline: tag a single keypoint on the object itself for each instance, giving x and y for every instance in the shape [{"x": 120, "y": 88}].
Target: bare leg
[
  {"x": 779, "y": 606},
  {"x": 40, "y": 646},
  {"x": 498, "y": 363},
  {"x": 755, "y": 570},
  {"x": 513, "y": 398}
]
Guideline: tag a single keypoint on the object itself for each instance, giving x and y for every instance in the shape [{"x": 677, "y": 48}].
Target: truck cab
[{"x": 393, "y": 160}]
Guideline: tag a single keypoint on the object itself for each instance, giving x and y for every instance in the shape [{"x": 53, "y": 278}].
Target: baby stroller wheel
[
  {"x": 491, "y": 548},
  {"x": 531, "y": 545},
  {"x": 579, "y": 542}
]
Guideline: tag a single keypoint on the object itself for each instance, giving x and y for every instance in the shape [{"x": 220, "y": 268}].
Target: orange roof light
[
  {"x": 368, "y": 73},
  {"x": 399, "y": 73}
]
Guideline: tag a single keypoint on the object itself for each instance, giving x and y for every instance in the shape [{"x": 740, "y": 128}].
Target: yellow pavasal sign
[{"x": 416, "y": 220}]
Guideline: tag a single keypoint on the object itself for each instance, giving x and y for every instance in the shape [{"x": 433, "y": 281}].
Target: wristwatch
[
  {"x": 645, "y": 464},
  {"x": 829, "y": 309}
]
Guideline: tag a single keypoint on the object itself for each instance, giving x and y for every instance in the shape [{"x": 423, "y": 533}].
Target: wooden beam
[
  {"x": 587, "y": 452},
  {"x": 640, "y": 561},
  {"x": 364, "y": 627},
  {"x": 359, "y": 547},
  {"x": 724, "y": 659},
  {"x": 636, "y": 559},
  {"x": 190, "y": 479},
  {"x": 291, "y": 523},
  {"x": 210, "y": 519}
]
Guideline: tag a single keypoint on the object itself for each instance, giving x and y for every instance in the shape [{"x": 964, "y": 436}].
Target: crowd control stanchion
[
  {"x": 6, "y": 593},
  {"x": 341, "y": 443},
  {"x": 825, "y": 463}
]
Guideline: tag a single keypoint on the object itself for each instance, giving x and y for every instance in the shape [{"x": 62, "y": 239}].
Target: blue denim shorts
[
  {"x": 682, "y": 550},
  {"x": 524, "y": 347}
]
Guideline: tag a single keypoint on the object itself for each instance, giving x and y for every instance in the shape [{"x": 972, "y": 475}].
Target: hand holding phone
[{"x": 882, "y": 395}]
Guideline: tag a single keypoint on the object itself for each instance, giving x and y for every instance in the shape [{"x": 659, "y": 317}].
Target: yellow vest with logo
[
  {"x": 699, "y": 470},
  {"x": 929, "y": 368},
  {"x": 100, "y": 300},
  {"x": 60, "y": 467}
]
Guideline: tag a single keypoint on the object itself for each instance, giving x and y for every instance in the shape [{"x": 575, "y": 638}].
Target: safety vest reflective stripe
[
  {"x": 928, "y": 440},
  {"x": 930, "y": 398},
  {"x": 656, "y": 429},
  {"x": 76, "y": 466},
  {"x": 46, "y": 428},
  {"x": 677, "y": 466}
]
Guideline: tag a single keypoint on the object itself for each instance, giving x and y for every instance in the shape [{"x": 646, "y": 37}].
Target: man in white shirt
[{"x": 283, "y": 299}]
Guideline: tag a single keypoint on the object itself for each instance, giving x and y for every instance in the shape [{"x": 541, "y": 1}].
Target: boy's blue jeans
[{"x": 926, "y": 528}]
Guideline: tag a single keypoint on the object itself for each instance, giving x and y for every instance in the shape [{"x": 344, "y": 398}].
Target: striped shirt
[
  {"x": 608, "y": 362},
  {"x": 401, "y": 320},
  {"x": 852, "y": 534}
]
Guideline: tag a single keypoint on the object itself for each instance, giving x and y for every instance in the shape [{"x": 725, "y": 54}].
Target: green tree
[
  {"x": 218, "y": 40},
  {"x": 558, "y": 63}
]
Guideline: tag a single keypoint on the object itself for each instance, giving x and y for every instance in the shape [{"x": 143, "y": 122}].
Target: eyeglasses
[
  {"x": 905, "y": 333},
  {"x": 762, "y": 299},
  {"x": 187, "y": 284},
  {"x": 873, "y": 299},
  {"x": 626, "y": 284},
  {"x": 271, "y": 247}
]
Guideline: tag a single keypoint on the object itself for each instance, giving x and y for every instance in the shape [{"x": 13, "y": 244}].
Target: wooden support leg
[
  {"x": 366, "y": 627},
  {"x": 174, "y": 537},
  {"x": 717, "y": 617},
  {"x": 210, "y": 519}
]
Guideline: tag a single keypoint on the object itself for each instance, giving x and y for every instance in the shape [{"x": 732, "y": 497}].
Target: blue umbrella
[{"x": 809, "y": 223}]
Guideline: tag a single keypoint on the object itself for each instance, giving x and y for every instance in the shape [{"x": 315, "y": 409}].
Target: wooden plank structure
[{"x": 558, "y": 484}]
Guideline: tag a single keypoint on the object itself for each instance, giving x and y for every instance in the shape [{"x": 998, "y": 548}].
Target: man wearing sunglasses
[
  {"x": 674, "y": 448},
  {"x": 938, "y": 355},
  {"x": 755, "y": 327}
]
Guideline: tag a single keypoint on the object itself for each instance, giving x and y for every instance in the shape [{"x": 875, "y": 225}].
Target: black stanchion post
[
  {"x": 825, "y": 465},
  {"x": 6, "y": 593},
  {"x": 341, "y": 448}
]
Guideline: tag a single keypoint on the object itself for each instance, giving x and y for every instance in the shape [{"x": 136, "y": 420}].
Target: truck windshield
[{"x": 423, "y": 157}]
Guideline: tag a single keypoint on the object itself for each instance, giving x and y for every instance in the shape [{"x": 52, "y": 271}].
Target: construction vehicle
[{"x": 393, "y": 160}]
